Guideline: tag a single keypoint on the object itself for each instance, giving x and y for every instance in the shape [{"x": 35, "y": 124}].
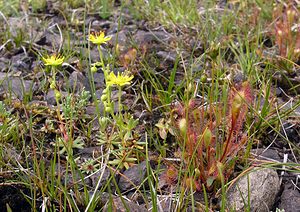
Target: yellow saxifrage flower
[
  {"x": 53, "y": 60},
  {"x": 99, "y": 38},
  {"x": 120, "y": 79}
]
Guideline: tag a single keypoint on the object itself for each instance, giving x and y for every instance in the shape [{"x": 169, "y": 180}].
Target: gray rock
[
  {"x": 15, "y": 25},
  {"x": 119, "y": 205},
  {"x": 4, "y": 76},
  {"x": 133, "y": 177},
  {"x": 51, "y": 38},
  {"x": 99, "y": 25},
  {"x": 99, "y": 80},
  {"x": 264, "y": 185},
  {"x": 94, "y": 53},
  {"x": 290, "y": 200},
  {"x": 10, "y": 154},
  {"x": 287, "y": 105},
  {"x": 120, "y": 38},
  {"x": 105, "y": 177},
  {"x": 167, "y": 56},
  {"x": 266, "y": 154},
  {"x": 50, "y": 97},
  {"x": 79, "y": 82},
  {"x": 15, "y": 87},
  {"x": 92, "y": 111},
  {"x": 287, "y": 82},
  {"x": 166, "y": 203},
  {"x": 13, "y": 195},
  {"x": 90, "y": 152},
  {"x": 71, "y": 179},
  {"x": 146, "y": 37},
  {"x": 4, "y": 64},
  {"x": 110, "y": 202},
  {"x": 291, "y": 129},
  {"x": 20, "y": 62}
]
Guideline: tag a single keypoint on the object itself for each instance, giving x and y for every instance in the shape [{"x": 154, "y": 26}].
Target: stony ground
[{"x": 23, "y": 90}]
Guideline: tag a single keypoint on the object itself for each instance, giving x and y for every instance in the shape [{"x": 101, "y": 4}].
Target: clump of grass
[
  {"x": 38, "y": 5},
  {"x": 172, "y": 12},
  {"x": 8, "y": 125},
  {"x": 9, "y": 7}
]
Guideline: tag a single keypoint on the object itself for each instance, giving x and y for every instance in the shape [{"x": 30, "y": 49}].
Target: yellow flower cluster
[
  {"x": 119, "y": 80},
  {"x": 53, "y": 60},
  {"x": 99, "y": 38}
]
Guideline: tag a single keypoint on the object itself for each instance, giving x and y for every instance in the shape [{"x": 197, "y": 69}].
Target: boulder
[{"x": 264, "y": 185}]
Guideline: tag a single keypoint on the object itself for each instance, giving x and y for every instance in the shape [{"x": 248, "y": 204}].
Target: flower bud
[
  {"x": 197, "y": 172},
  {"x": 290, "y": 15},
  {"x": 182, "y": 125},
  {"x": 203, "y": 78},
  {"x": 103, "y": 97},
  {"x": 108, "y": 109},
  {"x": 207, "y": 137},
  {"x": 237, "y": 103},
  {"x": 105, "y": 91},
  {"x": 190, "y": 87},
  {"x": 94, "y": 69},
  {"x": 57, "y": 95},
  {"x": 220, "y": 167}
]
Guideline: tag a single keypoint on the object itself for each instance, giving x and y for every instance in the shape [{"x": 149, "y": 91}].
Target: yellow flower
[
  {"x": 120, "y": 80},
  {"x": 53, "y": 60},
  {"x": 99, "y": 38}
]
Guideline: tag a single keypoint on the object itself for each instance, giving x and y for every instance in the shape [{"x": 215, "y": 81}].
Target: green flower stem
[
  {"x": 53, "y": 76},
  {"x": 101, "y": 57},
  {"x": 94, "y": 91},
  {"x": 105, "y": 77},
  {"x": 121, "y": 118},
  {"x": 119, "y": 101},
  {"x": 58, "y": 110}
]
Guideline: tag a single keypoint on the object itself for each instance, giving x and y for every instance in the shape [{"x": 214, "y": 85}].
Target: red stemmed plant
[
  {"x": 287, "y": 30},
  {"x": 209, "y": 141}
]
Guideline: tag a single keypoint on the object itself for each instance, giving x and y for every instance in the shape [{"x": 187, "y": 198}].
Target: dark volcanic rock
[
  {"x": 21, "y": 62},
  {"x": 99, "y": 80},
  {"x": 50, "y": 97},
  {"x": 169, "y": 57},
  {"x": 79, "y": 82},
  {"x": 266, "y": 154},
  {"x": 290, "y": 200},
  {"x": 121, "y": 206},
  {"x": 292, "y": 130},
  {"x": 133, "y": 177},
  {"x": 146, "y": 37},
  {"x": 15, "y": 86},
  {"x": 4, "y": 64},
  {"x": 105, "y": 177},
  {"x": 120, "y": 38},
  {"x": 13, "y": 196}
]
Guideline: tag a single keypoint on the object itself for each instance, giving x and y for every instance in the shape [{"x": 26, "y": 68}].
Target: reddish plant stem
[{"x": 228, "y": 140}]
